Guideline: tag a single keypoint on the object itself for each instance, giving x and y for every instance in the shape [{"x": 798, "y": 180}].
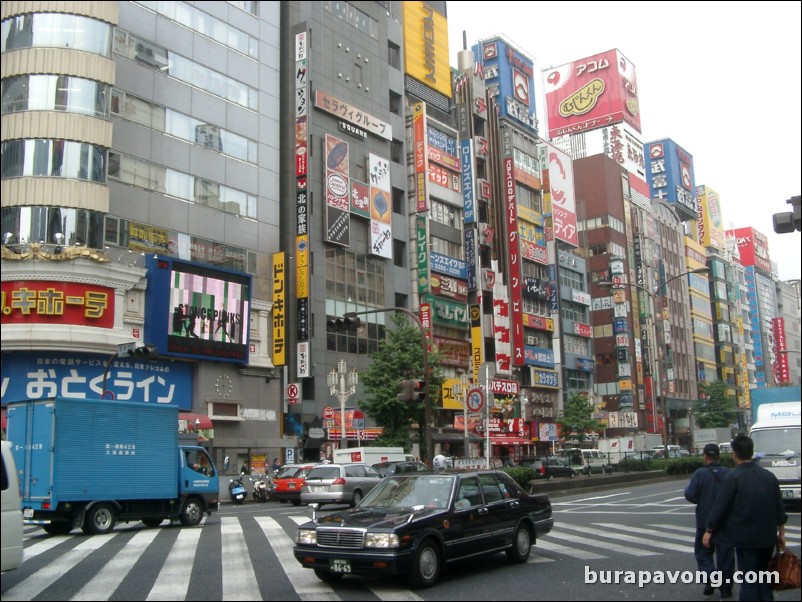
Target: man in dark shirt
[
  {"x": 702, "y": 491},
  {"x": 749, "y": 514}
]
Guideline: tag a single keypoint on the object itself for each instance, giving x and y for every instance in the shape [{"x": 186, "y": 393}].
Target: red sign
[
  {"x": 781, "y": 372},
  {"x": 51, "y": 302},
  {"x": 591, "y": 93},
  {"x": 328, "y": 413},
  {"x": 504, "y": 388}
]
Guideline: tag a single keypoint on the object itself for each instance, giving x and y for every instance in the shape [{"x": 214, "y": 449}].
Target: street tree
[
  {"x": 399, "y": 357},
  {"x": 577, "y": 417},
  {"x": 714, "y": 408}
]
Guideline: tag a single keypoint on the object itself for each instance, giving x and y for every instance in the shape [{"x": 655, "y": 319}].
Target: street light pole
[
  {"x": 659, "y": 294},
  {"x": 337, "y": 387}
]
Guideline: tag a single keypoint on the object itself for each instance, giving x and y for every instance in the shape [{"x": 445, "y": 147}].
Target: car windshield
[
  {"x": 323, "y": 472},
  {"x": 777, "y": 442},
  {"x": 431, "y": 491}
]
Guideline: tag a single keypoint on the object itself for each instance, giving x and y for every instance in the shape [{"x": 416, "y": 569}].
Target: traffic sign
[
  {"x": 475, "y": 399},
  {"x": 292, "y": 391},
  {"x": 328, "y": 413}
]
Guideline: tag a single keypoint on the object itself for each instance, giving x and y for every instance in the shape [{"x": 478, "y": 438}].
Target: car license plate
[
  {"x": 238, "y": 490},
  {"x": 291, "y": 486},
  {"x": 27, "y": 513},
  {"x": 337, "y": 565},
  {"x": 789, "y": 493}
]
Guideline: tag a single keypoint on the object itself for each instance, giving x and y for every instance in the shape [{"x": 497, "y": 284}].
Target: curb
[{"x": 566, "y": 486}]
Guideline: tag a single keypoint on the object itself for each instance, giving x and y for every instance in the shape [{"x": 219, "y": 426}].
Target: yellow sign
[
  {"x": 302, "y": 266},
  {"x": 451, "y": 401},
  {"x": 279, "y": 310},
  {"x": 426, "y": 46}
]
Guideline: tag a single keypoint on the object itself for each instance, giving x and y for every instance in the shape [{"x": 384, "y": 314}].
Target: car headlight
[
  {"x": 307, "y": 537},
  {"x": 381, "y": 540}
]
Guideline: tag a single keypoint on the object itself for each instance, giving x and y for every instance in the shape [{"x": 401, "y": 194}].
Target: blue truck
[{"x": 92, "y": 463}]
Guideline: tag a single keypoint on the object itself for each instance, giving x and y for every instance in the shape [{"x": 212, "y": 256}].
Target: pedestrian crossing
[{"x": 247, "y": 543}]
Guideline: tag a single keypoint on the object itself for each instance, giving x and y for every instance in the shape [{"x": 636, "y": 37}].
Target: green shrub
[
  {"x": 628, "y": 465},
  {"x": 523, "y": 475}
]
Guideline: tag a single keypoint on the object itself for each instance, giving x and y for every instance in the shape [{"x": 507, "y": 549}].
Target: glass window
[{"x": 55, "y": 30}]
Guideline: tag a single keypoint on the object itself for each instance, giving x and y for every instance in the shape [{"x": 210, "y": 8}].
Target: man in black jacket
[
  {"x": 702, "y": 491},
  {"x": 749, "y": 514}
]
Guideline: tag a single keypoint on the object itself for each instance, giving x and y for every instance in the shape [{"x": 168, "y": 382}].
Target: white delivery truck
[
  {"x": 777, "y": 437},
  {"x": 370, "y": 455}
]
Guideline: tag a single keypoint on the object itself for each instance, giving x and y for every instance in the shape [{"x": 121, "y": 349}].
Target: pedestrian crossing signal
[{"x": 412, "y": 390}]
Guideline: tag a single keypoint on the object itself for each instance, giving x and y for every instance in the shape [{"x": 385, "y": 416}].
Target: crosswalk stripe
[
  {"x": 46, "y": 576},
  {"x": 653, "y": 532},
  {"x": 239, "y": 580},
  {"x": 102, "y": 585},
  {"x": 610, "y": 547},
  {"x": 306, "y": 584},
  {"x": 628, "y": 538},
  {"x": 173, "y": 580},
  {"x": 556, "y": 547},
  {"x": 43, "y": 546}
]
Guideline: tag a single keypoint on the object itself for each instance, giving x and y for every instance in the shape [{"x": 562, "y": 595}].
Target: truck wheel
[
  {"x": 99, "y": 519},
  {"x": 191, "y": 513},
  {"x": 58, "y": 528}
]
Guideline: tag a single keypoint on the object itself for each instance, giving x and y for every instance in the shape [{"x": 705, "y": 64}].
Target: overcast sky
[{"x": 722, "y": 81}]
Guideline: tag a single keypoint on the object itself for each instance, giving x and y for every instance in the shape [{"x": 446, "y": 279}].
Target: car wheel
[
  {"x": 328, "y": 576},
  {"x": 425, "y": 566},
  {"x": 192, "y": 513},
  {"x": 356, "y": 499},
  {"x": 521, "y": 546},
  {"x": 99, "y": 520}
]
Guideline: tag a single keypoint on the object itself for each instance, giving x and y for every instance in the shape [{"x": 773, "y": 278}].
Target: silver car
[{"x": 338, "y": 483}]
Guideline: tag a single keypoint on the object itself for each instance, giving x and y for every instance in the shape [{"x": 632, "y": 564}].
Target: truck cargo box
[{"x": 71, "y": 450}]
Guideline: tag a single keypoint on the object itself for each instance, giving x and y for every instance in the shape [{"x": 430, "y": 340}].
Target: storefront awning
[
  {"x": 204, "y": 423},
  {"x": 510, "y": 441}
]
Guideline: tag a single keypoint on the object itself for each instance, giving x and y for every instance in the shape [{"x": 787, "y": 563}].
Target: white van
[{"x": 11, "y": 512}]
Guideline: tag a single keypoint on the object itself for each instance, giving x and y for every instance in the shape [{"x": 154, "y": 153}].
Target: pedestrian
[
  {"x": 244, "y": 469},
  {"x": 702, "y": 491},
  {"x": 276, "y": 466},
  {"x": 749, "y": 514}
]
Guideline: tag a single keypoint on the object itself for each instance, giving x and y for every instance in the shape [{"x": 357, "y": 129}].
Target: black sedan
[{"x": 414, "y": 524}]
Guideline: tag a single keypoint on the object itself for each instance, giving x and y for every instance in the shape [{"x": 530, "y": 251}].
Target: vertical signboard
[
  {"x": 279, "y": 312},
  {"x": 426, "y": 46},
  {"x": 709, "y": 223},
  {"x": 381, "y": 209},
  {"x": 782, "y": 376},
  {"x": 513, "y": 249},
  {"x": 561, "y": 193},
  {"x": 338, "y": 191},
  {"x": 670, "y": 175},
  {"x": 420, "y": 155},
  {"x": 302, "y": 276}
]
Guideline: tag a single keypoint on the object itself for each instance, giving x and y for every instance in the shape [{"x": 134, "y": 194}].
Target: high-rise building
[{"x": 140, "y": 194}]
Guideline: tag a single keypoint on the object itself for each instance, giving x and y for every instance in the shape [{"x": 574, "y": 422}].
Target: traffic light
[
  {"x": 407, "y": 390},
  {"x": 412, "y": 390},
  {"x": 350, "y": 323},
  {"x": 418, "y": 390},
  {"x": 146, "y": 352}
]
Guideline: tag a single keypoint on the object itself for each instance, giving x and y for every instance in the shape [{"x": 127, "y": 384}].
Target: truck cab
[{"x": 776, "y": 435}]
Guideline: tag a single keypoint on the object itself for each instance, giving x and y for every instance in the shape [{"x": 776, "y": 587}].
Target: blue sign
[
  {"x": 450, "y": 266},
  {"x": 536, "y": 356},
  {"x": 46, "y": 374},
  {"x": 466, "y": 157}
]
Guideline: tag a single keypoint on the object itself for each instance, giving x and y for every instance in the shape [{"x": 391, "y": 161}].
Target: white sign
[
  {"x": 475, "y": 400},
  {"x": 292, "y": 391}
]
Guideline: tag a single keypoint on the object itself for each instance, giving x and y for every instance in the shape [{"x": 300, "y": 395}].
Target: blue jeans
[
  {"x": 706, "y": 559},
  {"x": 755, "y": 559}
]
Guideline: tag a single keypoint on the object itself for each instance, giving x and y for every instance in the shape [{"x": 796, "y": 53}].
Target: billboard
[
  {"x": 591, "y": 93},
  {"x": 426, "y": 46},
  {"x": 197, "y": 311},
  {"x": 509, "y": 74},
  {"x": 44, "y": 302},
  {"x": 670, "y": 175},
  {"x": 620, "y": 142},
  {"x": 753, "y": 247},
  {"x": 560, "y": 187},
  {"x": 709, "y": 223}
]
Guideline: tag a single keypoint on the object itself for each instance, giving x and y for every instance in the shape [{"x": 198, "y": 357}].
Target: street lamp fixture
[
  {"x": 337, "y": 386},
  {"x": 658, "y": 295}
]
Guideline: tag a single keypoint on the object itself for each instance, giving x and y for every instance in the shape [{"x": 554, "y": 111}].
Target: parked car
[
  {"x": 549, "y": 467},
  {"x": 338, "y": 483},
  {"x": 672, "y": 453},
  {"x": 415, "y": 524},
  {"x": 390, "y": 468},
  {"x": 288, "y": 487}
]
